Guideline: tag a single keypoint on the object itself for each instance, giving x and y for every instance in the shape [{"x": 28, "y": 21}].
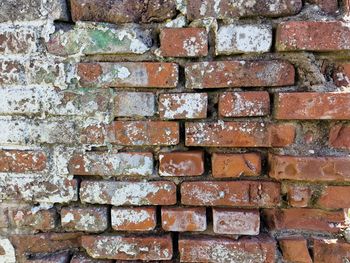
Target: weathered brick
[
  {"x": 16, "y": 42},
  {"x": 11, "y": 72},
  {"x": 298, "y": 195},
  {"x": 89, "y": 39},
  {"x": 339, "y": 136},
  {"x": 239, "y": 134},
  {"x": 143, "y": 133},
  {"x": 112, "y": 164},
  {"x": 128, "y": 74},
  {"x": 129, "y": 247},
  {"x": 312, "y": 106},
  {"x": 294, "y": 249},
  {"x": 128, "y": 193},
  {"x": 231, "y": 193},
  {"x": 226, "y": 9},
  {"x": 43, "y": 243},
  {"x": 242, "y": 73},
  {"x": 244, "y": 104},
  {"x": 305, "y": 219},
  {"x": 88, "y": 219},
  {"x": 22, "y": 161},
  {"x": 318, "y": 36},
  {"x": 134, "y": 104},
  {"x": 328, "y": 6},
  {"x": 218, "y": 249},
  {"x": 133, "y": 219},
  {"x": 83, "y": 258},
  {"x": 124, "y": 11},
  {"x": 236, "y": 221},
  {"x": 334, "y": 197},
  {"x": 184, "y": 219},
  {"x": 93, "y": 133},
  {"x": 35, "y": 188},
  {"x": 331, "y": 250},
  {"x": 181, "y": 163},
  {"x": 23, "y": 10},
  {"x": 309, "y": 168},
  {"x": 183, "y": 105},
  {"x": 341, "y": 74},
  {"x": 37, "y": 100},
  {"x": 25, "y": 131},
  {"x": 183, "y": 42},
  {"x": 56, "y": 257},
  {"x": 235, "y": 39},
  {"x": 235, "y": 165},
  {"x": 28, "y": 217}
]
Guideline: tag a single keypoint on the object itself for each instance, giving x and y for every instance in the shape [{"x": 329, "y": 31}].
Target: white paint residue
[
  {"x": 126, "y": 216},
  {"x": 69, "y": 217},
  {"x": 8, "y": 255},
  {"x": 233, "y": 39}
]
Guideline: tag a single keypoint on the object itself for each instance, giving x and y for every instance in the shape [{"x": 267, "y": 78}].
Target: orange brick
[
  {"x": 183, "y": 42},
  {"x": 235, "y": 165}
]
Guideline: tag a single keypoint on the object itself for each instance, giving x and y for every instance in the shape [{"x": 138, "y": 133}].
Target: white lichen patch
[
  {"x": 184, "y": 105},
  {"x": 195, "y": 44},
  {"x": 232, "y": 39},
  {"x": 128, "y": 216},
  {"x": 118, "y": 164},
  {"x": 122, "y": 193},
  {"x": 130, "y": 104}
]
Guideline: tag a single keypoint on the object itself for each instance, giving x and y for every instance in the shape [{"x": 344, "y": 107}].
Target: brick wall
[{"x": 174, "y": 131}]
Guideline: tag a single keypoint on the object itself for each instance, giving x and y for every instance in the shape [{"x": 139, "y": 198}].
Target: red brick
[
  {"x": 295, "y": 250},
  {"x": 43, "y": 243},
  {"x": 231, "y": 193},
  {"x": 235, "y": 165},
  {"x": 83, "y": 258},
  {"x": 142, "y": 133},
  {"x": 133, "y": 219},
  {"x": 312, "y": 36},
  {"x": 183, "y": 42},
  {"x": 183, "y": 105},
  {"x": 242, "y": 73},
  {"x": 244, "y": 104},
  {"x": 128, "y": 74},
  {"x": 333, "y": 197},
  {"x": 218, "y": 249},
  {"x": 310, "y": 168},
  {"x": 184, "y": 219},
  {"x": 312, "y": 106},
  {"x": 128, "y": 193},
  {"x": 37, "y": 220},
  {"x": 298, "y": 195},
  {"x": 239, "y": 134},
  {"x": 112, "y": 164},
  {"x": 331, "y": 250},
  {"x": 227, "y": 9},
  {"x": 328, "y": 6},
  {"x": 305, "y": 219},
  {"x": 22, "y": 161},
  {"x": 236, "y": 221},
  {"x": 341, "y": 74},
  {"x": 129, "y": 247},
  {"x": 181, "y": 163},
  {"x": 116, "y": 11},
  {"x": 339, "y": 136},
  {"x": 88, "y": 219}
]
